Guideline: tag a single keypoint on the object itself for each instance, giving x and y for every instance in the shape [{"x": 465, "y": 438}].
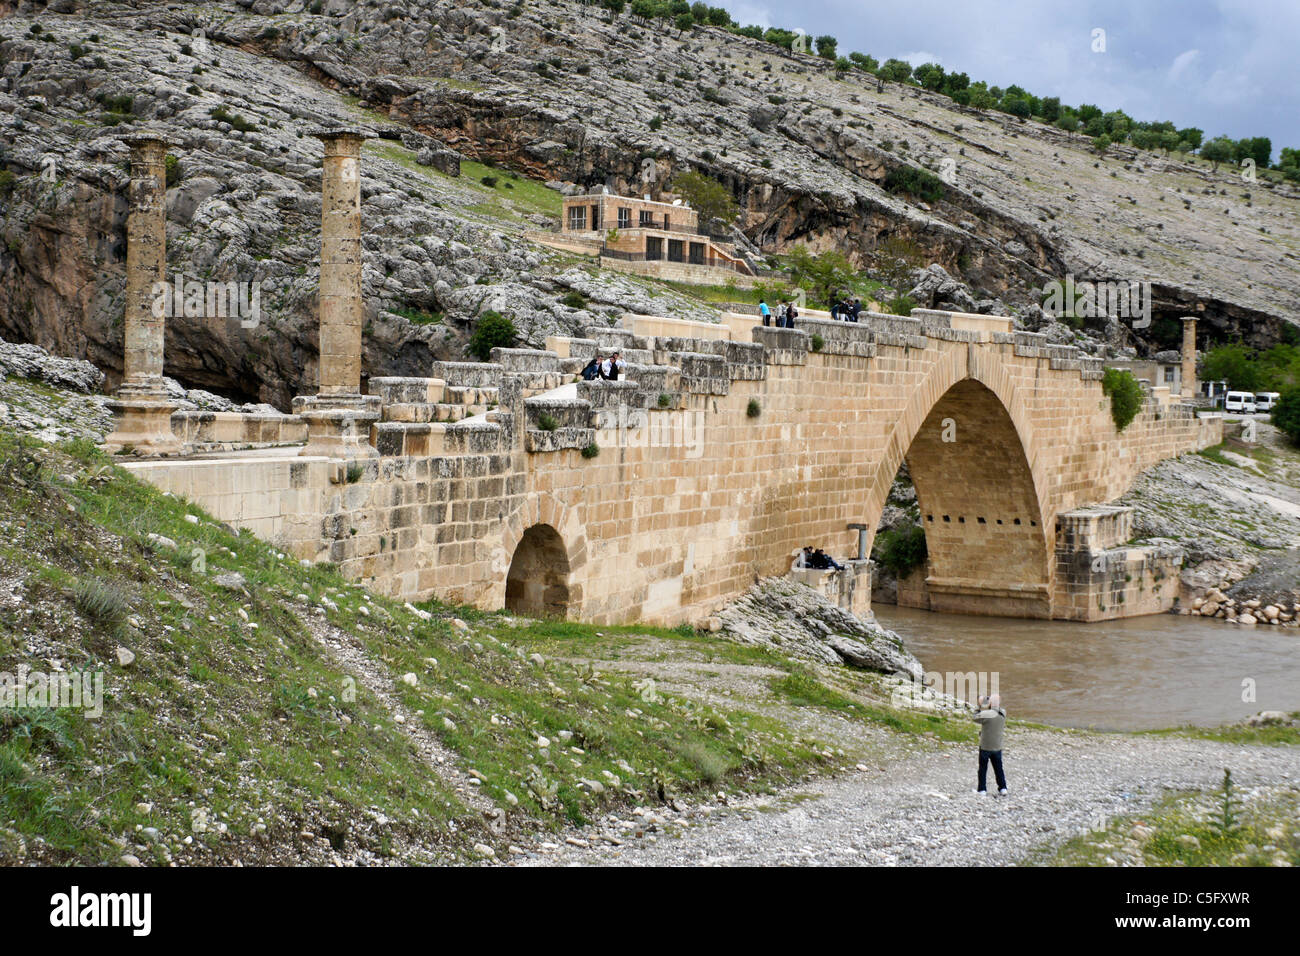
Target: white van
[
  {"x": 1264, "y": 401},
  {"x": 1239, "y": 402}
]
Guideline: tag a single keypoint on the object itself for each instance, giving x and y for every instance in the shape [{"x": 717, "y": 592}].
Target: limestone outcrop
[{"x": 798, "y": 621}]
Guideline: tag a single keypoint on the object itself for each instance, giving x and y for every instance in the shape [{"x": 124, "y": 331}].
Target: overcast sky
[{"x": 1226, "y": 66}]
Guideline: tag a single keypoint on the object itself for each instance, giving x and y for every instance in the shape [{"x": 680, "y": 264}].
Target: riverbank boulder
[{"x": 795, "y": 620}]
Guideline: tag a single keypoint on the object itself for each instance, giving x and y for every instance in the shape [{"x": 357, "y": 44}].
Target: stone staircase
[{"x": 456, "y": 408}]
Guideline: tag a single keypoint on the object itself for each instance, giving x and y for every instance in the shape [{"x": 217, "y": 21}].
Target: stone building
[{"x": 649, "y": 238}]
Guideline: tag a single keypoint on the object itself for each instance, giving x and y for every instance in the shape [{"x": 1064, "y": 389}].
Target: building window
[
  {"x": 675, "y": 251},
  {"x": 1169, "y": 374},
  {"x": 697, "y": 253},
  {"x": 647, "y": 218},
  {"x": 654, "y": 247},
  {"x": 624, "y": 217},
  {"x": 595, "y": 217},
  {"x": 577, "y": 219}
]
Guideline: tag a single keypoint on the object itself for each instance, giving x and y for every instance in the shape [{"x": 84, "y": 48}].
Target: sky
[{"x": 1225, "y": 66}]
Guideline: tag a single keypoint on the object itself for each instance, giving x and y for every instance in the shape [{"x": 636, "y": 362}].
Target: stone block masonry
[{"x": 1004, "y": 435}]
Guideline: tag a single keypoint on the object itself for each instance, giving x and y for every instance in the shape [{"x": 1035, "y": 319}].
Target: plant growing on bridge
[
  {"x": 546, "y": 422},
  {"x": 591, "y": 451},
  {"x": 1125, "y": 395},
  {"x": 665, "y": 400},
  {"x": 753, "y": 409},
  {"x": 494, "y": 330},
  {"x": 817, "y": 342}
]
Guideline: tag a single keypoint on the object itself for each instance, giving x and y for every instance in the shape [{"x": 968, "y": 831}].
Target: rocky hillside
[{"x": 550, "y": 96}]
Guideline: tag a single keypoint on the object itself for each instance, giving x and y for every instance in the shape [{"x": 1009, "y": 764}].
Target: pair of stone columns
[{"x": 339, "y": 416}]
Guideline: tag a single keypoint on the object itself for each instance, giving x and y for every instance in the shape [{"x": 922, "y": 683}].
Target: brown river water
[{"x": 1143, "y": 673}]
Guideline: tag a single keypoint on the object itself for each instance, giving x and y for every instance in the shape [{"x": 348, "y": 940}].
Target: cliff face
[{"x": 555, "y": 92}]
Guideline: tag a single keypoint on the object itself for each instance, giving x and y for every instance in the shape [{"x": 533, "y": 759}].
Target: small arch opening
[{"x": 537, "y": 584}]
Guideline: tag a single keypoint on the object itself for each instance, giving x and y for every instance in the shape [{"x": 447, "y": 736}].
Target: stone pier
[
  {"x": 1187, "y": 373},
  {"x": 141, "y": 410},
  {"x": 339, "y": 417}
]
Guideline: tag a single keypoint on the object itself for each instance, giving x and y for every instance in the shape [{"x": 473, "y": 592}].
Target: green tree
[
  {"x": 1218, "y": 150},
  {"x": 1258, "y": 148},
  {"x": 1286, "y": 414},
  {"x": 708, "y": 197},
  {"x": 822, "y": 275},
  {"x": 826, "y": 47},
  {"x": 492, "y": 331},
  {"x": 930, "y": 76},
  {"x": 1192, "y": 137},
  {"x": 1234, "y": 363},
  {"x": 895, "y": 70},
  {"x": 865, "y": 61}
]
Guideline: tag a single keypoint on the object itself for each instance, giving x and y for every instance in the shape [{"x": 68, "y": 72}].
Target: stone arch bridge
[
  {"x": 717, "y": 459},
  {"x": 725, "y": 447}
]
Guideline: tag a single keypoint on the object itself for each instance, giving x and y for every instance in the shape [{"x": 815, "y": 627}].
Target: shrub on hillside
[
  {"x": 493, "y": 331},
  {"x": 919, "y": 183}
]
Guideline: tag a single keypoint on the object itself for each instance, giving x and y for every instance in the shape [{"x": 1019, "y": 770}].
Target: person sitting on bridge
[
  {"x": 827, "y": 561},
  {"x": 992, "y": 720},
  {"x": 591, "y": 369},
  {"x": 612, "y": 367}
]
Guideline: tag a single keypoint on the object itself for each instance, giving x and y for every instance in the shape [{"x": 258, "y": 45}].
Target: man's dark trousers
[{"x": 996, "y": 757}]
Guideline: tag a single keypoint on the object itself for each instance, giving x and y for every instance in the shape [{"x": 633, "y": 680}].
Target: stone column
[
  {"x": 1187, "y": 388},
  {"x": 339, "y": 416},
  {"x": 141, "y": 410}
]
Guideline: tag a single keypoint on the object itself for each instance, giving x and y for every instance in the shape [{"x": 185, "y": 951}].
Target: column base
[
  {"x": 338, "y": 426},
  {"x": 142, "y": 426}
]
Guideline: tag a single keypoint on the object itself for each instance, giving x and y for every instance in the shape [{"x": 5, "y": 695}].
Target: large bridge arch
[{"x": 985, "y": 507}]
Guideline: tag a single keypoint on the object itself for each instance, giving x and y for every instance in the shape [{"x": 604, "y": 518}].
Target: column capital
[
  {"x": 142, "y": 139},
  {"x": 338, "y": 138}
]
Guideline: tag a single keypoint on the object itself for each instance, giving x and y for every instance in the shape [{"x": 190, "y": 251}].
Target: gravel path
[{"x": 922, "y": 810}]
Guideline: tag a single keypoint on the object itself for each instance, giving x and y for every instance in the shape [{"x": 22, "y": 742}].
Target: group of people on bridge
[
  {"x": 842, "y": 309},
  {"x": 610, "y": 368}
]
